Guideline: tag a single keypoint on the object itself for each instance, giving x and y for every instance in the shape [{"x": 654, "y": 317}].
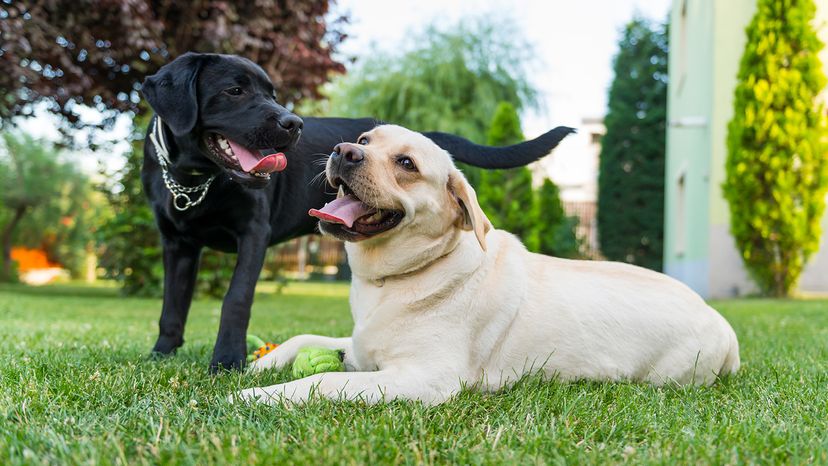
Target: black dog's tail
[{"x": 516, "y": 155}]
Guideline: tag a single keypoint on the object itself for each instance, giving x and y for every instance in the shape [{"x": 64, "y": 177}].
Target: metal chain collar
[
  {"x": 181, "y": 199},
  {"x": 181, "y": 194}
]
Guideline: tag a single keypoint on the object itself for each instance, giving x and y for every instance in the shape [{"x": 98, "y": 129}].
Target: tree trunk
[{"x": 8, "y": 232}]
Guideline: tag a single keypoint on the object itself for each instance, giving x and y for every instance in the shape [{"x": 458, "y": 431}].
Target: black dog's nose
[
  {"x": 290, "y": 122},
  {"x": 349, "y": 152}
]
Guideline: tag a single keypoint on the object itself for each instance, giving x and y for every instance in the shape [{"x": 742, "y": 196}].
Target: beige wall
[
  {"x": 815, "y": 278},
  {"x": 728, "y": 276}
]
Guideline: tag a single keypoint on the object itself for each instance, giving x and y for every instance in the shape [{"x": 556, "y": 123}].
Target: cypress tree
[
  {"x": 776, "y": 170},
  {"x": 511, "y": 203},
  {"x": 631, "y": 176},
  {"x": 506, "y": 195},
  {"x": 505, "y": 127},
  {"x": 555, "y": 230}
]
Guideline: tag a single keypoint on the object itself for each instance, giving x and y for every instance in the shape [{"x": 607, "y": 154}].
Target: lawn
[{"x": 76, "y": 386}]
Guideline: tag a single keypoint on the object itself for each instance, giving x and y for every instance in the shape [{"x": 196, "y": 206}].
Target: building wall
[
  {"x": 689, "y": 110},
  {"x": 573, "y": 165},
  {"x": 815, "y": 277},
  {"x": 728, "y": 276}
]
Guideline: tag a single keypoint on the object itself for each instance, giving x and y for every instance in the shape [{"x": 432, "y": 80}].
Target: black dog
[{"x": 209, "y": 183}]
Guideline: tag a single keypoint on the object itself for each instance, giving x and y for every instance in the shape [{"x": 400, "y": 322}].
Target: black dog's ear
[{"x": 171, "y": 92}]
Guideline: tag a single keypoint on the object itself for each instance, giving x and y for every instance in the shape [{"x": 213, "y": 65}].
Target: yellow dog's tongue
[
  {"x": 251, "y": 161},
  {"x": 344, "y": 210}
]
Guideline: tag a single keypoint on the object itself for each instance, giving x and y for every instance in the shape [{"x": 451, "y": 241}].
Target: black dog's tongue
[{"x": 250, "y": 161}]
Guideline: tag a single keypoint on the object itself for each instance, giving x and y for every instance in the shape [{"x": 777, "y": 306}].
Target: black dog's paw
[
  {"x": 166, "y": 346},
  {"x": 227, "y": 362}
]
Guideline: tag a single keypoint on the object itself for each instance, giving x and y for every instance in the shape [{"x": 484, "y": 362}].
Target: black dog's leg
[
  {"x": 180, "y": 269},
  {"x": 230, "y": 349}
]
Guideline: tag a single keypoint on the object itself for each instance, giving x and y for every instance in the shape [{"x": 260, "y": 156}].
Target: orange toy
[{"x": 262, "y": 347}]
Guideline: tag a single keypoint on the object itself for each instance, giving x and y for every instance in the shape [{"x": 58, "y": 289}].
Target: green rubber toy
[{"x": 315, "y": 360}]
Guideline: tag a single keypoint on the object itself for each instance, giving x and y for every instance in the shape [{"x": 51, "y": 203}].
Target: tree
[
  {"x": 97, "y": 52},
  {"x": 506, "y": 195},
  {"x": 131, "y": 246},
  {"x": 511, "y": 203},
  {"x": 504, "y": 128},
  {"x": 631, "y": 172},
  {"x": 452, "y": 80},
  {"x": 41, "y": 199},
  {"x": 64, "y": 226},
  {"x": 555, "y": 230},
  {"x": 776, "y": 170}
]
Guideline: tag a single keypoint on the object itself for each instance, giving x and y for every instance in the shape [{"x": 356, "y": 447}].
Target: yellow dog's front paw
[{"x": 279, "y": 358}]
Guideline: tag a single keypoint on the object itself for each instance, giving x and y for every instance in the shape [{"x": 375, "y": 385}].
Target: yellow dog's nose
[{"x": 349, "y": 152}]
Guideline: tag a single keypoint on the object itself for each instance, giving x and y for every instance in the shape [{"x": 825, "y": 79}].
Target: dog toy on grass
[
  {"x": 309, "y": 360},
  {"x": 259, "y": 347},
  {"x": 315, "y": 360}
]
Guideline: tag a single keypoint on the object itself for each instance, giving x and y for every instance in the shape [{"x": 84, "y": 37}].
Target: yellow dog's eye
[
  {"x": 363, "y": 141},
  {"x": 406, "y": 162}
]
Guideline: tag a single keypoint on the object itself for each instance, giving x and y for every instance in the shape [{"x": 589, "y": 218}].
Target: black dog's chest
[
  {"x": 211, "y": 231},
  {"x": 216, "y": 237}
]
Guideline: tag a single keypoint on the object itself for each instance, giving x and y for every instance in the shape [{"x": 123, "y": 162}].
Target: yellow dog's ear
[{"x": 472, "y": 216}]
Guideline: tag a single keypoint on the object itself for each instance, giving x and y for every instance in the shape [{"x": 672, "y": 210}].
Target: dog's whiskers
[
  {"x": 322, "y": 160},
  {"x": 316, "y": 178}
]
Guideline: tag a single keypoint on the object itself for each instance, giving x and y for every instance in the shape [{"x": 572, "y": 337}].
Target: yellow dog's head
[{"x": 398, "y": 193}]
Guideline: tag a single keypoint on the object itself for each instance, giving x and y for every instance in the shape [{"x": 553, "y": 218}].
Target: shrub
[{"x": 776, "y": 170}]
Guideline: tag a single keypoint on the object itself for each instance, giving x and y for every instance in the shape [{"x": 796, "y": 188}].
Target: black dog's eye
[
  {"x": 234, "y": 91},
  {"x": 406, "y": 162},
  {"x": 363, "y": 141}
]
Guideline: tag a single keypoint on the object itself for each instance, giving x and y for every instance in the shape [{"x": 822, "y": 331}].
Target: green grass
[{"x": 76, "y": 387}]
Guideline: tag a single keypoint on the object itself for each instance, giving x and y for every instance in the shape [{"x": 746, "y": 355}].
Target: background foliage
[
  {"x": 45, "y": 203},
  {"x": 511, "y": 202},
  {"x": 555, "y": 230},
  {"x": 62, "y": 55},
  {"x": 454, "y": 80},
  {"x": 450, "y": 80},
  {"x": 96, "y": 52},
  {"x": 130, "y": 242},
  {"x": 777, "y": 171},
  {"x": 507, "y": 196},
  {"x": 631, "y": 172}
]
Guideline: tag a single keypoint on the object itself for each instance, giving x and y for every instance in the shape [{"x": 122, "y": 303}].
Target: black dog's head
[{"x": 223, "y": 113}]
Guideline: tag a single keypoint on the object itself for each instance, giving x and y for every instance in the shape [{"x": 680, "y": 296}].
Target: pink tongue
[
  {"x": 251, "y": 161},
  {"x": 344, "y": 210}
]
